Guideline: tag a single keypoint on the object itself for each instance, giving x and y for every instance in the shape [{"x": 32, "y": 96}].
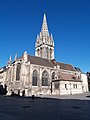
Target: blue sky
[{"x": 68, "y": 21}]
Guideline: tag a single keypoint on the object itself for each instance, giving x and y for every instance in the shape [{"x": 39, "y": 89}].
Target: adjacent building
[{"x": 88, "y": 75}]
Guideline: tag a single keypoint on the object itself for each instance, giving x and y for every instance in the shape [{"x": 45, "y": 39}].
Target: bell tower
[{"x": 44, "y": 46}]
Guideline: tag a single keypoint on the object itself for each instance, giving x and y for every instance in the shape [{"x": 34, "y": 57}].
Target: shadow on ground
[{"x": 26, "y": 108}]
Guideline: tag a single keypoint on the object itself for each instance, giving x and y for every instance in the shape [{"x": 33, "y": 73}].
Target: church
[{"x": 42, "y": 74}]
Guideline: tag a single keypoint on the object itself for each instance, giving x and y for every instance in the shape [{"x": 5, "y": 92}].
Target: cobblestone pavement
[{"x": 52, "y": 108}]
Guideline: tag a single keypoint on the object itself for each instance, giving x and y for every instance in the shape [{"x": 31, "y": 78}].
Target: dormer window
[{"x": 74, "y": 78}]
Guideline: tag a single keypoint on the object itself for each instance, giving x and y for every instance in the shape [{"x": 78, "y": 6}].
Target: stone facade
[
  {"x": 27, "y": 75},
  {"x": 42, "y": 74}
]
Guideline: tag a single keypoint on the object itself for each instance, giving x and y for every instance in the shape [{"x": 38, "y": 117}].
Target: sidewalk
[{"x": 82, "y": 96}]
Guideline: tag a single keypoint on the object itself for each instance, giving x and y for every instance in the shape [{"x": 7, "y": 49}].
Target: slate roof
[
  {"x": 77, "y": 69},
  {"x": 66, "y": 66},
  {"x": 64, "y": 76},
  {"x": 49, "y": 63},
  {"x": 40, "y": 61}
]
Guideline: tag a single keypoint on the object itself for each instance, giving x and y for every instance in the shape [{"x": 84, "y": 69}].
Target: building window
[
  {"x": 75, "y": 86},
  {"x": 50, "y": 53},
  {"x": 18, "y": 71},
  {"x": 41, "y": 52},
  {"x": 38, "y": 52},
  {"x": 74, "y": 78},
  {"x": 56, "y": 85},
  {"x": 66, "y": 86},
  {"x": 53, "y": 75},
  {"x": 34, "y": 78},
  {"x": 78, "y": 77},
  {"x": 45, "y": 78}
]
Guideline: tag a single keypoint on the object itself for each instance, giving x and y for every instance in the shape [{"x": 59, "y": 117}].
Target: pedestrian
[{"x": 32, "y": 97}]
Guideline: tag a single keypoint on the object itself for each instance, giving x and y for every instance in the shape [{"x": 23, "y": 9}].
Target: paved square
[{"x": 75, "y": 107}]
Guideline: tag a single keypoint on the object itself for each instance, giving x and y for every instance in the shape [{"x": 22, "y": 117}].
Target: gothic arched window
[
  {"x": 38, "y": 52},
  {"x": 41, "y": 52},
  {"x": 34, "y": 78},
  {"x": 56, "y": 85},
  {"x": 18, "y": 71},
  {"x": 53, "y": 75},
  {"x": 45, "y": 78},
  {"x": 50, "y": 53}
]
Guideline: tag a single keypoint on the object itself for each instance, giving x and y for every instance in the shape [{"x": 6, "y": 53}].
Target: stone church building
[{"x": 42, "y": 74}]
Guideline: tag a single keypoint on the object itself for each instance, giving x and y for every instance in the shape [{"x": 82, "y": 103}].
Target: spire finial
[
  {"x": 37, "y": 36},
  {"x": 44, "y": 17},
  {"x": 51, "y": 35},
  {"x": 16, "y": 56},
  {"x": 10, "y": 60}
]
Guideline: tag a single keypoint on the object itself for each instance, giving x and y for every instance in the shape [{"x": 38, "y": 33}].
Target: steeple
[
  {"x": 44, "y": 46},
  {"x": 44, "y": 29}
]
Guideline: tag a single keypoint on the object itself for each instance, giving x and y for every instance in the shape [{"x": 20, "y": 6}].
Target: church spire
[
  {"x": 44, "y": 27},
  {"x": 44, "y": 46}
]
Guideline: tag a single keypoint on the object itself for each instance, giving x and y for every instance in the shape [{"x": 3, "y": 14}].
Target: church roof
[
  {"x": 40, "y": 61},
  {"x": 49, "y": 63},
  {"x": 64, "y": 76},
  {"x": 66, "y": 66},
  {"x": 63, "y": 65}
]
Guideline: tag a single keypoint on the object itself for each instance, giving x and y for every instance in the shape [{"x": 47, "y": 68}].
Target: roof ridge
[
  {"x": 64, "y": 63},
  {"x": 39, "y": 57}
]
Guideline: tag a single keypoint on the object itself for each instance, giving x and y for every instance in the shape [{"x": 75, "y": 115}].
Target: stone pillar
[
  {"x": 25, "y": 56},
  {"x": 40, "y": 78},
  {"x": 9, "y": 92},
  {"x": 26, "y": 92},
  {"x": 20, "y": 93},
  {"x": 52, "y": 54}
]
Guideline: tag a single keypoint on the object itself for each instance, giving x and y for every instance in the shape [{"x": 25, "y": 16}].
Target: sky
[{"x": 68, "y": 21}]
